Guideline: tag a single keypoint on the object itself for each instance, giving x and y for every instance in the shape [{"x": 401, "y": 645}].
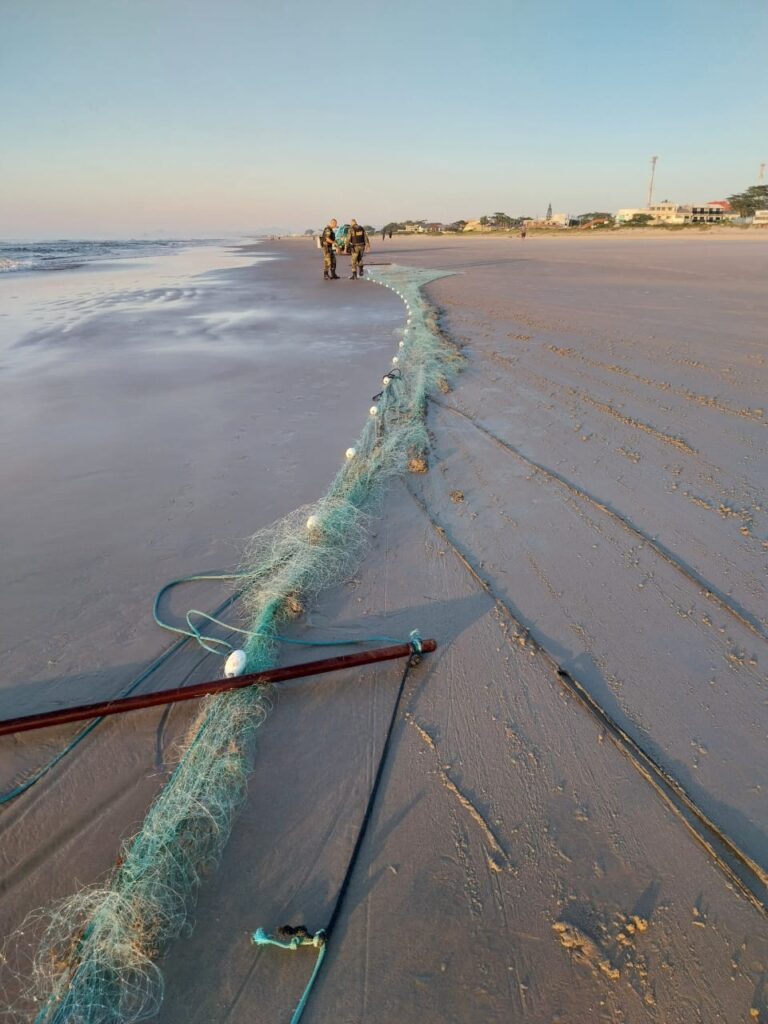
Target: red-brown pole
[{"x": 147, "y": 700}]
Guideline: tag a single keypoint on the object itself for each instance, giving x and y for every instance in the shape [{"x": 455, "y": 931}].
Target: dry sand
[{"x": 595, "y": 515}]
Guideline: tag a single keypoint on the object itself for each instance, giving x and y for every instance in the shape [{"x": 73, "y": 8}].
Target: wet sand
[
  {"x": 595, "y": 514},
  {"x": 148, "y": 428}
]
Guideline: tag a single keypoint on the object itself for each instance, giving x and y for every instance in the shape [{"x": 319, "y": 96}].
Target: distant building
[
  {"x": 714, "y": 212},
  {"x": 761, "y": 218},
  {"x": 433, "y": 229},
  {"x": 627, "y": 214},
  {"x": 660, "y": 213},
  {"x": 552, "y": 220}
]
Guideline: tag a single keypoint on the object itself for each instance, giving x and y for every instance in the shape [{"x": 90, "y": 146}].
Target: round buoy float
[{"x": 235, "y": 664}]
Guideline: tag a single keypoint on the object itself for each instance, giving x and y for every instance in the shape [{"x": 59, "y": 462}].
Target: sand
[{"x": 594, "y": 517}]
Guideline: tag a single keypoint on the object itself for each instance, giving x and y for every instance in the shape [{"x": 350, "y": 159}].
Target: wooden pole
[{"x": 147, "y": 700}]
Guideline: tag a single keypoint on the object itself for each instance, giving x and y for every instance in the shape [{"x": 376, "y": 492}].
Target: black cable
[
  {"x": 413, "y": 660},
  {"x": 300, "y": 934}
]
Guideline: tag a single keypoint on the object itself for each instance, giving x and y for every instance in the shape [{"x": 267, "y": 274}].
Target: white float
[{"x": 235, "y": 664}]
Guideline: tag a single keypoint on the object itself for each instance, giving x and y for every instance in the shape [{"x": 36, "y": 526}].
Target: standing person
[
  {"x": 328, "y": 245},
  {"x": 523, "y": 229},
  {"x": 358, "y": 243},
  {"x": 383, "y": 234}
]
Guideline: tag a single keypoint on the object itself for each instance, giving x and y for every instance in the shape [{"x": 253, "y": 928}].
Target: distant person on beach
[
  {"x": 358, "y": 243},
  {"x": 328, "y": 245},
  {"x": 383, "y": 234},
  {"x": 523, "y": 230},
  {"x": 390, "y": 234}
]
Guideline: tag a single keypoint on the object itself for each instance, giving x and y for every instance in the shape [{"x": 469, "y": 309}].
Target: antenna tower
[
  {"x": 761, "y": 175},
  {"x": 650, "y": 184}
]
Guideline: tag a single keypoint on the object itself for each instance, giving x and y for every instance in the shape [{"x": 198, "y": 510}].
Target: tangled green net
[{"x": 93, "y": 959}]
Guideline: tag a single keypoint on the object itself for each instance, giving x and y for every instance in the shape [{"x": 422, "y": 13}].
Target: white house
[{"x": 660, "y": 213}]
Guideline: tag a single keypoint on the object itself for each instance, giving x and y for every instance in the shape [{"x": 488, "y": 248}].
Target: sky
[{"x": 187, "y": 118}]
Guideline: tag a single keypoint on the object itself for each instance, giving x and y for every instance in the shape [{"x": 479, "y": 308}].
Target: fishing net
[{"x": 92, "y": 956}]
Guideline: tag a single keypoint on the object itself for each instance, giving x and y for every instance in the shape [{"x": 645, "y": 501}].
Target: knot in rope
[
  {"x": 415, "y": 639},
  {"x": 289, "y": 937}
]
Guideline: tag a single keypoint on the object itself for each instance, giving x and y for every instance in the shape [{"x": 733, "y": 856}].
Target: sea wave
[
  {"x": 65, "y": 254},
  {"x": 9, "y": 264}
]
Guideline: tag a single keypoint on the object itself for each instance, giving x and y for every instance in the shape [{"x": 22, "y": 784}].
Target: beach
[{"x": 571, "y": 820}]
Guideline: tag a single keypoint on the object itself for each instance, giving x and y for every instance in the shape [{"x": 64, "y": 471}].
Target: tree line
[{"x": 748, "y": 202}]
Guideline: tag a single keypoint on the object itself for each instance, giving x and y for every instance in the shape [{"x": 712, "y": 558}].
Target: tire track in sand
[{"x": 708, "y": 590}]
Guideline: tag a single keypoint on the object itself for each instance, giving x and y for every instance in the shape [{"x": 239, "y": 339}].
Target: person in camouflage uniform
[
  {"x": 328, "y": 245},
  {"x": 358, "y": 243}
]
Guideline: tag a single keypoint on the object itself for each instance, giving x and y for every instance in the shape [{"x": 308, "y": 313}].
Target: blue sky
[{"x": 131, "y": 117}]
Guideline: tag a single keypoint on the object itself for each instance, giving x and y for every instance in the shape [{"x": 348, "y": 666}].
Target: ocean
[{"x": 68, "y": 254}]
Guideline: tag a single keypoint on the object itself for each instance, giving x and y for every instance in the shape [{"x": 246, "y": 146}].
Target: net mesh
[{"x": 90, "y": 959}]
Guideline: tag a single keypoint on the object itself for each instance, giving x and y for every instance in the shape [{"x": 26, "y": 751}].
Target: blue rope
[
  {"x": 303, "y": 938},
  {"x": 276, "y": 636},
  {"x": 193, "y": 633},
  {"x": 415, "y": 638},
  {"x": 23, "y": 787},
  {"x": 11, "y": 794}
]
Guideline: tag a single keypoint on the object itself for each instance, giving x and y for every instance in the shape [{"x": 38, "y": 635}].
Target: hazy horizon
[{"x": 165, "y": 118}]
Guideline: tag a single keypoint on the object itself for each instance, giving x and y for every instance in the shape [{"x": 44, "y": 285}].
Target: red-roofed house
[{"x": 713, "y": 212}]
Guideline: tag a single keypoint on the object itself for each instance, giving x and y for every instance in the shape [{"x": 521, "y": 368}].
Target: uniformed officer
[
  {"x": 358, "y": 243},
  {"x": 328, "y": 245}
]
